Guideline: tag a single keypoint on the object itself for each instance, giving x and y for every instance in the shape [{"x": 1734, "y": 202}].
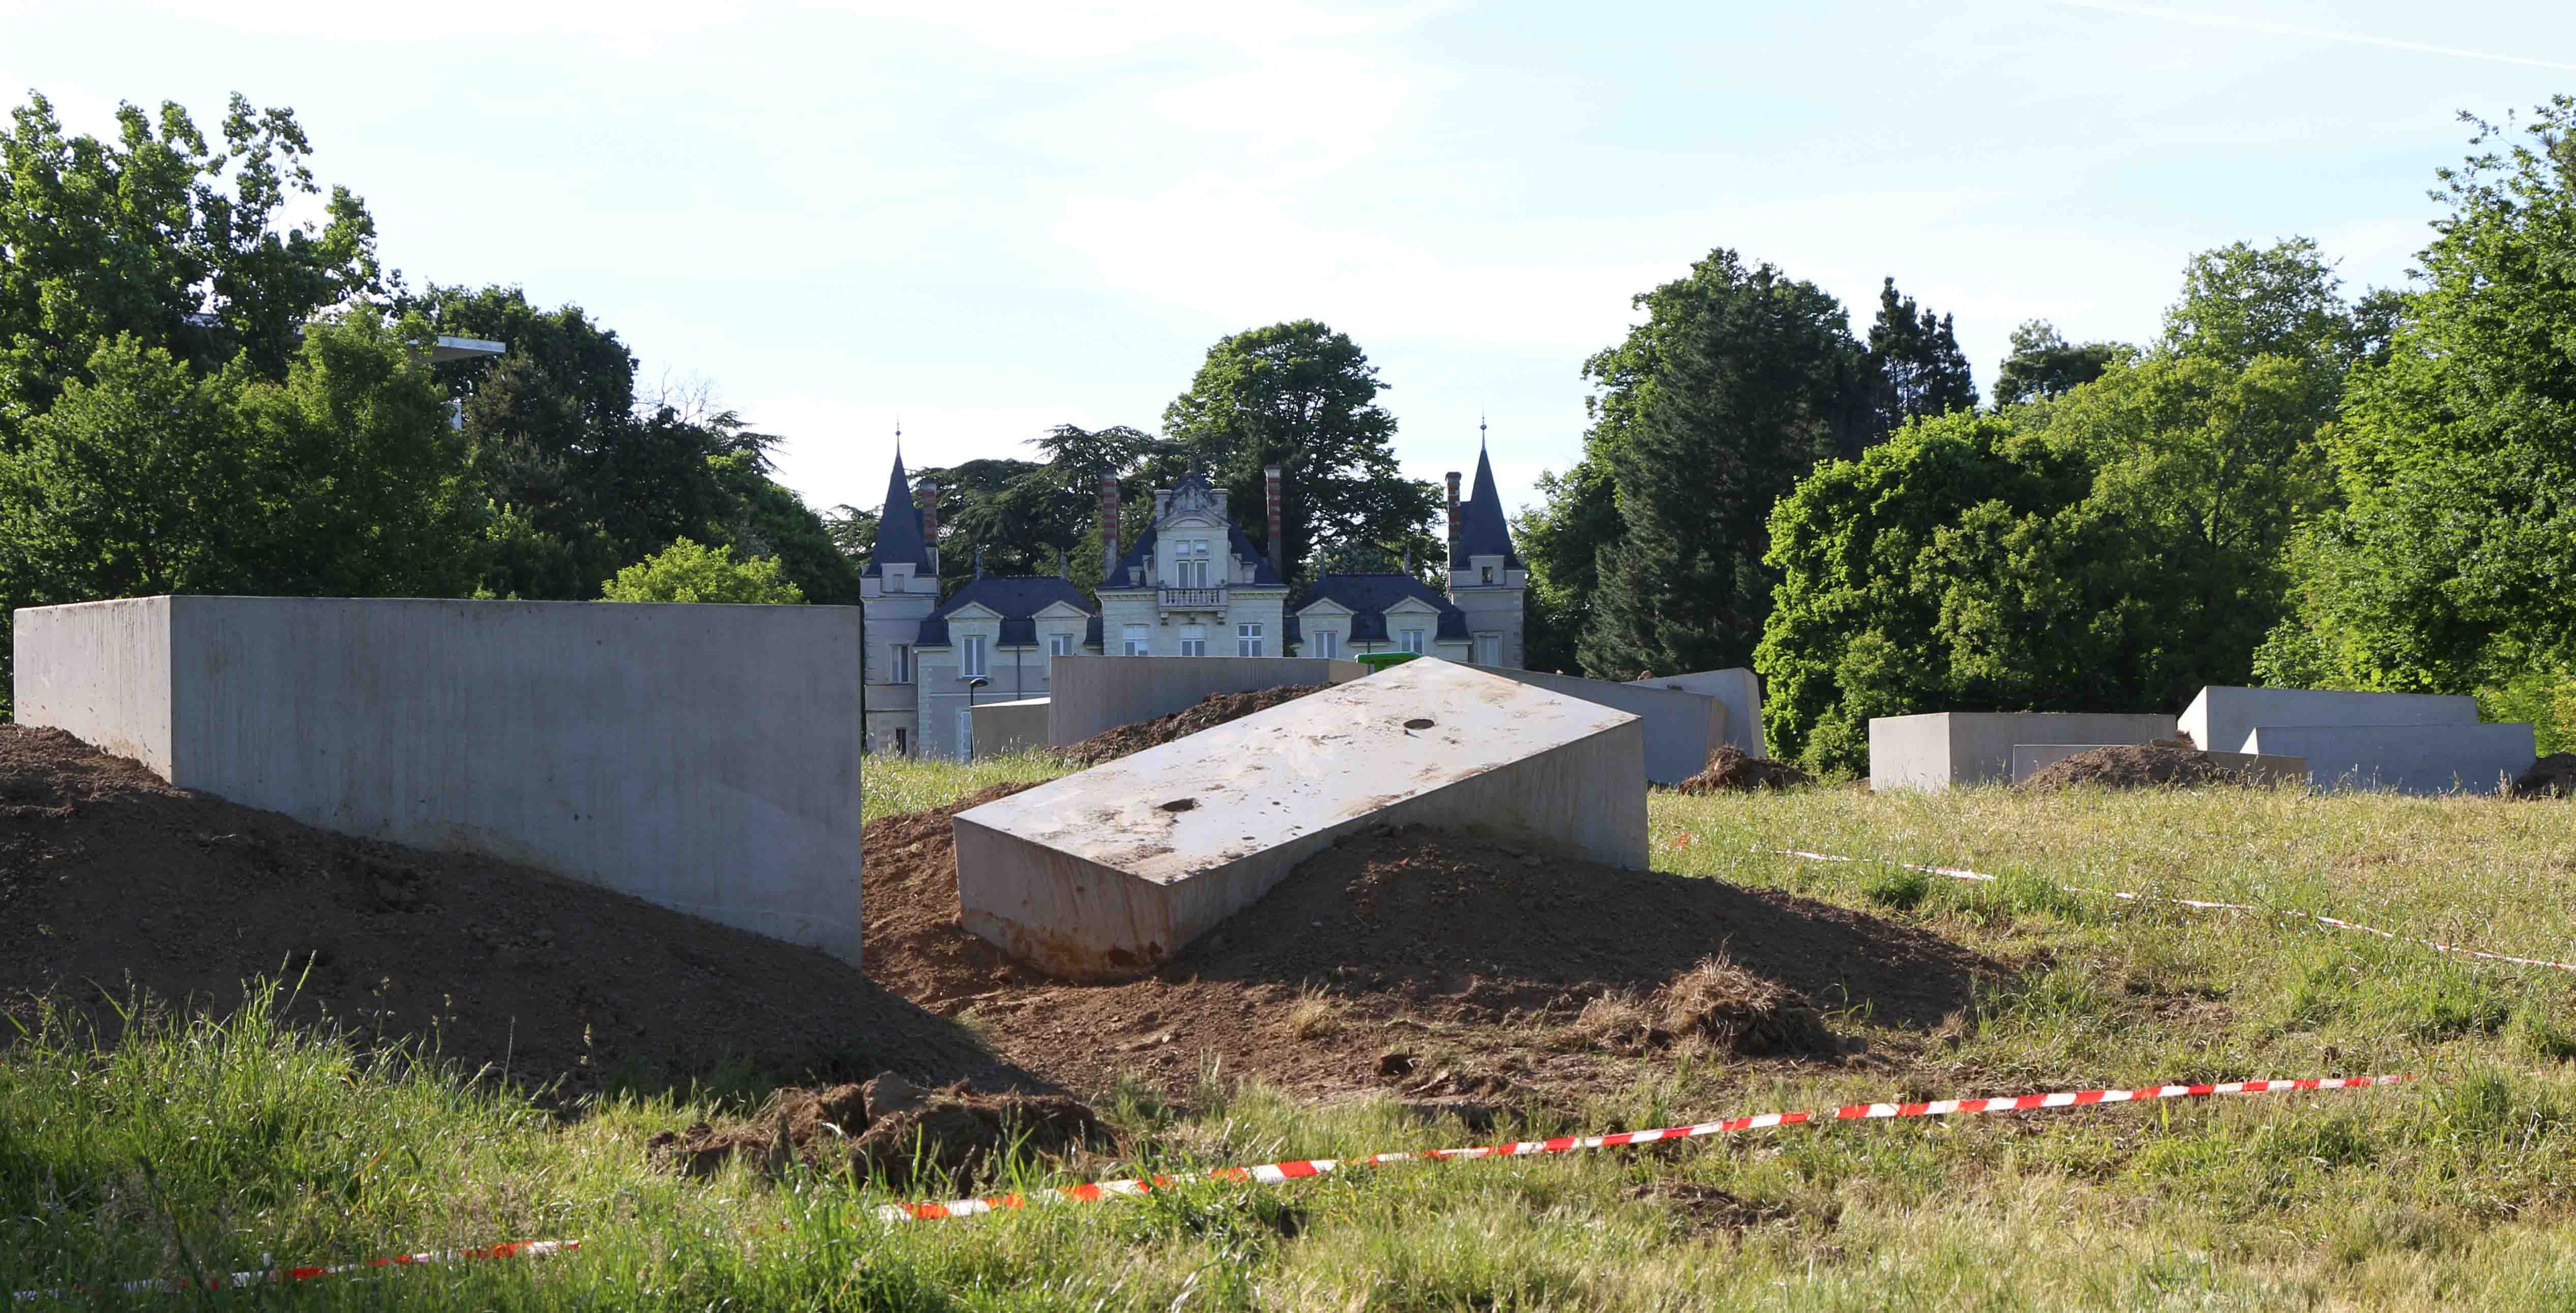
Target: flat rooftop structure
[{"x": 1105, "y": 874}]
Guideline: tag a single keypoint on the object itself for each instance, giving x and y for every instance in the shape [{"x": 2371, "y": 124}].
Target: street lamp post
[{"x": 971, "y": 686}]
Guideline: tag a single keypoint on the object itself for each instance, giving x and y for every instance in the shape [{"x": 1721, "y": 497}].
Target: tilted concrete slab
[
  {"x": 2031, "y": 758},
  {"x": 1740, "y": 689},
  {"x": 1090, "y": 694},
  {"x": 2403, "y": 758},
  {"x": 1682, "y": 727},
  {"x": 1104, "y": 874},
  {"x": 1943, "y": 749},
  {"x": 2220, "y": 717}
]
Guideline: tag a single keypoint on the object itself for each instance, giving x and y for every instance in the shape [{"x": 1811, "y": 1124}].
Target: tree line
[{"x": 2289, "y": 485}]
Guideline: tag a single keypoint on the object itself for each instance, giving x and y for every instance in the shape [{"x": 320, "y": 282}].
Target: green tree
[
  {"x": 1916, "y": 370},
  {"x": 1304, "y": 397},
  {"x": 1560, "y": 540},
  {"x": 688, "y": 572},
  {"x": 2448, "y": 567},
  {"x": 2044, "y": 364},
  {"x": 161, "y": 235},
  {"x": 1736, "y": 385},
  {"x": 2240, "y": 302}
]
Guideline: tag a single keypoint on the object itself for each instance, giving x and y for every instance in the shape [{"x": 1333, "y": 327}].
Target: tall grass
[{"x": 202, "y": 1143}]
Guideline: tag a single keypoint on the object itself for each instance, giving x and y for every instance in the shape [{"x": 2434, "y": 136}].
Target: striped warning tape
[
  {"x": 235, "y": 1280},
  {"x": 1274, "y": 1173},
  {"x": 2337, "y": 923}
]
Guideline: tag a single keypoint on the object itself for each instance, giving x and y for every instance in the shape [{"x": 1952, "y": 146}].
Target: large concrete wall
[
  {"x": 1095, "y": 693},
  {"x": 1681, "y": 728},
  {"x": 703, "y": 757},
  {"x": 1945, "y": 749},
  {"x": 1007, "y": 727},
  {"x": 2220, "y": 717},
  {"x": 1740, "y": 689},
  {"x": 2470, "y": 758}
]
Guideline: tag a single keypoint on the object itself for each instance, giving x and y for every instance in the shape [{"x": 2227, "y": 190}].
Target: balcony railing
[{"x": 1194, "y": 599}]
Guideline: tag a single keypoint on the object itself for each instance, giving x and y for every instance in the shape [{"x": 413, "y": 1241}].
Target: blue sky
[{"x": 993, "y": 218}]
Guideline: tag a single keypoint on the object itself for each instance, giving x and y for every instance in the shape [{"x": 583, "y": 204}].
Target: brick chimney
[
  {"x": 1454, "y": 562},
  {"x": 927, "y": 495},
  {"x": 1278, "y": 523},
  {"x": 1108, "y": 530}
]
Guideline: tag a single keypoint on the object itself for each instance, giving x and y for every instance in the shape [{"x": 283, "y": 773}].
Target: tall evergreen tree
[
  {"x": 1916, "y": 370},
  {"x": 1734, "y": 388}
]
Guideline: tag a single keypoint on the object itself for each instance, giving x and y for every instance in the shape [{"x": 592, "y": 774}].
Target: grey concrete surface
[
  {"x": 1102, "y": 874},
  {"x": 1007, "y": 727},
  {"x": 1943, "y": 749},
  {"x": 2029, "y": 759},
  {"x": 703, "y": 757},
  {"x": 1740, "y": 689},
  {"x": 1094, "y": 693},
  {"x": 1681, "y": 727},
  {"x": 2412, "y": 758},
  {"x": 2220, "y": 717}
]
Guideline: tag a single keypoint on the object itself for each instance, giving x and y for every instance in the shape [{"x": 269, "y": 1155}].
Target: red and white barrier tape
[
  {"x": 235, "y": 1280},
  {"x": 2333, "y": 922},
  {"x": 1274, "y": 1173}
]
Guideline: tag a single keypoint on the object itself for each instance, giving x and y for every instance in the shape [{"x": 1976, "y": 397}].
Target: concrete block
[
  {"x": 1103, "y": 874},
  {"x": 702, "y": 757},
  {"x": 1943, "y": 749},
  {"x": 1681, "y": 728},
  {"x": 1007, "y": 727},
  {"x": 2029, "y": 759},
  {"x": 2412, "y": 758},
  {"x": 2220, "y": 717},
  {"x": 1095, "y": 693},
  {"x": 1740, "y": 689}
]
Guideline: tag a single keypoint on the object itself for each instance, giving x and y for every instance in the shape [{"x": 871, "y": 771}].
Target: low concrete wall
[
  {"x": 703, "y": 757},
  {"x": 1094, "y": 693},
  {"x": 2220, "y": 717},
  {"x": 1105, "y": 873},
  {"x": 1681, "y": 729},
  {"x": 2029, "y": 759},
  {"x": 1943, "y": 749},
  {"x": 1006, "y": 727},
  {"x": 2404, "y": 758},
  {"x": 1740, "y": 689}
]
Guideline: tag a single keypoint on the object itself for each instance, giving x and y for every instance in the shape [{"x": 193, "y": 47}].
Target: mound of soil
[
  {"x": 1213, "y": 710},
  {"x": 888, "y": 1131},
  {"x": 110, "y": 880},
  {"x": 2163, "y": 762},
  {"x": 1731, "y": 769},
  {"x": 2553, "y": 776},
  {"x": 1401, "y": 952}
]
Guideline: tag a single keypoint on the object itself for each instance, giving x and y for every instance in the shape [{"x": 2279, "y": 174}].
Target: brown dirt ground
[
  {"x": 1211, "y": 711},
  {"x": 1731, "y": 769},
  {"x": 110, "y": 879},
  {"x": 888, "y": 1131},
  {"x": 2553, "y": 776},
  {"x": 1433, "y": 964},
  {"x": 2135, "y": 766}
]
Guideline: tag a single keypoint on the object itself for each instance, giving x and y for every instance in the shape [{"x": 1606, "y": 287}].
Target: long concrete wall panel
[
  {"x": 2469, "y": 758},
  {"x": 2220, "y": 717},
  {"x": 1089, "y": 694},
  {"x": 1681, "y": 727},
  {"x": 100, "y": 671},
  {"x": 1946, "y": 749},
  {"x": 1740, "y": 689}
]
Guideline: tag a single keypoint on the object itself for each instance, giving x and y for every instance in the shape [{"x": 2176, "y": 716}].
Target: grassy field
[{"x": 203, "y": 1147}]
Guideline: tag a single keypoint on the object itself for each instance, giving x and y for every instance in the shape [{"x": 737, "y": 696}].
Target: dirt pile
[
  {"x": 2163, "y": 762},
  {"x": 2553, "y": 776},
  {"x": 1400, "y": 953},
  {"x": 1731, "y": 769},
  {"x": 1714, "y": 1005},
  {"x": 1213, "y": 710},
  {"x": 888, "y": 1131},
  {"x": 110, "y": 877}
]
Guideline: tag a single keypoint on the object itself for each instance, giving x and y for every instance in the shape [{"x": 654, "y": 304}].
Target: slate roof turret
[
  {"x": 899, "y": 537},
  {"x": 1482, "y": 530}
]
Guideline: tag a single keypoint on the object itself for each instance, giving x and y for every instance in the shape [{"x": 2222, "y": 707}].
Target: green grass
[{"x": 199, "y": 1145}]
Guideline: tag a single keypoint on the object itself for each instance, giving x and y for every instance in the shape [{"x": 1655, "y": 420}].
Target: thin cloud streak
[{"x": 2311, "y": 33}]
